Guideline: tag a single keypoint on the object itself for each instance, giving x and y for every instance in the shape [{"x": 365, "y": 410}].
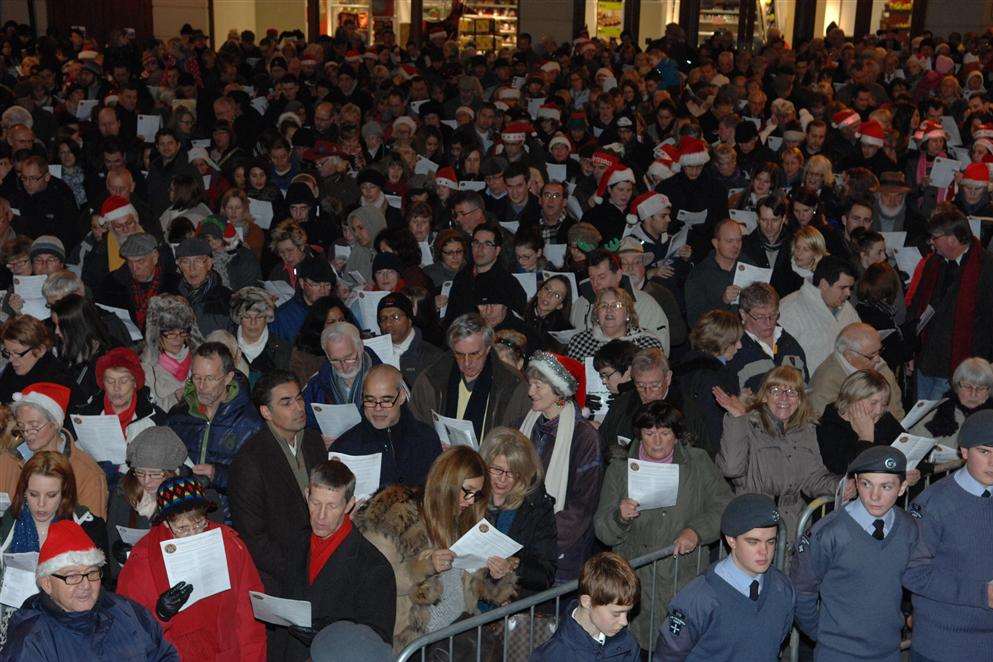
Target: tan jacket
[{"x": 825, "y": 386}]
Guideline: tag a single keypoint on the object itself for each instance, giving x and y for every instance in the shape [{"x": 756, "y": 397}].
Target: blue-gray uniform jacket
[
  {"x": 712, "y": 621},
  {"x": 848, "y": 584},
  {"x": 571, "y": 643},
  {"x": 751, "y": 362}
]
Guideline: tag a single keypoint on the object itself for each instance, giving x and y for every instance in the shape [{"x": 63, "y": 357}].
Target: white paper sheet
[
  {"x": 394, "y": 201},
  {"x": 415, "y": 106},
  {"x": 425, "y": 166},
  {"x": 557, "y": 172},
  {"x": 29, "y": 289},
  {"x": 976, "y": 225},
  {"x": 148, "y": 126},
  {"x": 907, "y": 258},
  {"x": 595, "y": 386},
  {"x": 471, "y": 185},
  {"x": 85, "y": 109},
  {"x": 529, "y": 281},
  {"x": 920, "y": 409},
  {"x": 336, "y": 420},
  {"x": 943, "y": 171},
  {"x": 653, "y": 485},
  {"x": 915, "y": 448},
  {"x": 510, "y": 226},
  {"x": 623, "y": 441},
  {"x": 18, "y": 578},
  {"x": 573, "y": 206},
  {"x": 454, "y": 431},
  {"x": 201, "y": 142},
  {"x": 565, "y": 336},
  {"x": 368, "y": 302},
  {"x": 692, "y": 217},
  {"x": 427, "y": 259},
  {"x": 133, "y": 331},
  {"x": 280, "y": 611},
  {"x": 280, "y": 289},
  {"x": 678, "y": 241},
  {"x": 446, "y": 289},
  {"x": 555, "y": 253},
  {"x": 382, "y": 346},
  {"x": 533, "y": 106},
  {"x": 894, "y": 240},
  {"x": 774, "y": 143},
  {"x": 481, "y": 542},
  {"x": 747, "y": 218},
  {"x": 942, "y": 454},
  {"x": 571, "y": 277},
  {"x": 197, "y": 560},
  {"x": 367, "y": 470},
  {"x": 130, "y": 536},
  {"x": 55, "y": 170},
  {"x": 261, "y": 212},
  {"x": 746, "y": 274},
  {"x": 735, "y": 191},
  {"x": 101, "y": 436},
  {"x": 954, "y": 136}
]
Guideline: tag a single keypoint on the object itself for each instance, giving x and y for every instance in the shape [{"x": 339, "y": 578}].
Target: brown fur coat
[{"x": 392, "y": 521}]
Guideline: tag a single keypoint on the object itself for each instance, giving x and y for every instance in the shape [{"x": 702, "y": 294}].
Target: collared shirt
[
  {"x": 293, "y": 457},
  {"x": 404, "y": 344},
  {"x": 601, "y": 638},
  {"x": 845, "y": 365},
  {"x": 771, "y": 351},
  {"x": 740, "y": 580},
  {"x": 970, "y": 484},
  {"x": 866, "y": 520}
]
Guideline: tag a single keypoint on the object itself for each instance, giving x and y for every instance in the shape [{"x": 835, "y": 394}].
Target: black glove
[
  {"x": 593, "y": 402},
  {"x": 303, "y": 635},
  {"x": 120, "y": 551},
  {"x": 173, "y": 600}
]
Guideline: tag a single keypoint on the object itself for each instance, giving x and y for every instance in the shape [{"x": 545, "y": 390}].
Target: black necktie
[
  {"x": 878, "y": 526},
  {"x": 985, "y": 494},
  {"x": 753, "y": 590}
]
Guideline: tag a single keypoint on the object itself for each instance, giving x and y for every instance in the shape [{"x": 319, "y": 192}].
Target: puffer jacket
[
  {"x": 786, "y": 467},
  {"x": 392, "y": 521},
  {"x": 218, "y": 440},
  {"x": 702, "y": 496}
]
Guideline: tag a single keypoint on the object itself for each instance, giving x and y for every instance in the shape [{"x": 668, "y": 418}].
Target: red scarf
[
  {"x": 125, "y": 416},
  {"x": 180, "y": 370},
  {"x": 922, "y": 289},
  {"x": 321, "y": 549},
  {"x": 141, "y": 294}
]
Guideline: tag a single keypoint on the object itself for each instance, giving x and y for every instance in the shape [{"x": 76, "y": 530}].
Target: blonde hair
[
  {"x": 811, "y": 238},
  {"x": 818, "y": 163},
  {"x": 857, "y": 387},
  {"x": 522, "y": 460},
  {"x": 715, "y": 331},
  {"x": 621, "y": 295},
  {"x": 443, "y": 489},
  {"x": 788, "y": 377}
]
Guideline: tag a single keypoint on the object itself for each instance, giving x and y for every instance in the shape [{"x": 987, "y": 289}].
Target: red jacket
[{"x": 221, "y": 628}]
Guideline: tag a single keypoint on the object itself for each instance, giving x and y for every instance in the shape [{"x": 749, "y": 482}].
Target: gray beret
[
  {"x": 157, "y": 447},
  {"x": 879, "y": 460},
  {"x": 977, "y": 430},
  {"x": 138, "y": 245},
  {"x": 193, "y": 247},
  {"x": 747, "y": 512}
]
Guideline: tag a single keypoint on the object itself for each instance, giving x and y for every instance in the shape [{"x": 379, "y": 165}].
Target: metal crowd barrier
[{"x": 418, "y": 649}]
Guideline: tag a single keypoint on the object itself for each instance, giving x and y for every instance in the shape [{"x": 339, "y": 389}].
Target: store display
[
  {"x": 609, "y": 19},
  {"x": 896, "y": 15},
  {"x": 359, "y": 11},
  {"x": 489, "y": 24}
]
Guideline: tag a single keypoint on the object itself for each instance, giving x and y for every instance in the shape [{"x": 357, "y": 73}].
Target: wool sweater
[{"x": 808, "y": 319}]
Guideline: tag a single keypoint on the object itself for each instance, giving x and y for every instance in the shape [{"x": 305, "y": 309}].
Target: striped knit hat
[{"x": 180, "y": 494}]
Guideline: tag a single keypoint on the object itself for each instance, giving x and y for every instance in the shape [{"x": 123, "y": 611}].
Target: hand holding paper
[{"x": 480, "y": 543}]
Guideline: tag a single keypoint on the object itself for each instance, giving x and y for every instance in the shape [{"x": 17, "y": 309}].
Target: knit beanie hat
[
  {"x": 66, "y": 545},
  {"x": 124, "y": 358},
  {"x": 157, "y": 447},
  {"x": 46, "y": 244},
  {"x": 51, "y": 398},
  {"x": 180, "y": 494}
]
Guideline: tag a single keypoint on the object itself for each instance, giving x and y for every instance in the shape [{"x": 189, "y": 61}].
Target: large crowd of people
[{"x": 351, "y": 305}]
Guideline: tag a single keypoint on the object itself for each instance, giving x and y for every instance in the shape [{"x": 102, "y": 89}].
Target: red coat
[{"x": 221, "y": 628}]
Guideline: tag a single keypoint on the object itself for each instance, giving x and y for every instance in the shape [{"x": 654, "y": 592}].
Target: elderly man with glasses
[
  {"x": 388, "y": 426},
  {"x": 339, "y": 381}
]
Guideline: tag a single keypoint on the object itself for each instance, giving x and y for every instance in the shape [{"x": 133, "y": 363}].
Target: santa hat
[
  {"x": 51, "y": 398},
  {"x": 604, "y": 158},
  {"x": 846, "y": 117},
  {"x": 446, "y": 177},
  {"x": 976, "y": 174},
  {"x": 407, "y": 71},
  {"x": 115, "y": 207},
  {"x": 649, "y": 204},
  {"x": 231, "y": 237},
  {"x": 663, "y": 168},
  {"x": 516, "y": 132},
  {"x": 615, "y": 174},
  {"x": 551, "y": 65},
  {"x": 666, "y": 151},
  {"x": 195, "y": 153},
  {"x": 692, "y": 152},
  {"x": 353, "y": 56},
  {"x": 405, "y": 119},
  {"x": 604, "y": 71},
  {"x": 66, "y": 545},
  {"x": 549, "y": 111},
  {"x": 871, "y": 133},
  {"x": 567, "y": 376},
  {"x": 465, "y": 109},
  {"x": 930, "y": 129},
  {"x": 983, "y": 131},
  {"x": 986, "y": 144},
  {"x": 559, "y": 139}
]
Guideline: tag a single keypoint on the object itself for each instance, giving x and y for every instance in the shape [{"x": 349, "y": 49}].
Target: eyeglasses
[
  {"x": 497, "y": 472},
  {"x": 30, "y": 432},
  {"x": 464, "y": 213},
  {"x": 868, "y": 357},
  {"x": 468, "y": 356},
  {"x": 604, "y": 376},
  {"x": 120, "y": 381},
  {"x": 385, "y": 403},
  {"x": 552, "y": 196},
  {"x": 36, "y": 178},
  {"x": 763, "y": 318},
  {"x": 476, "y": 243},
  {"x": 147, "y": 475},
  {"x": 649, "y": 386},
  {"x": 341, "y": 363},
  {"x": 791, "y": 393},
  {"x": 253, "y": 318},
  {"x": 395, "y": 317},
  {"x": 20, "y": 262},
  {"x": 7, "y": 354},
  {"x": 175, "y": 334},
  {"x": 975, "y": 388},
  {"x": 205, "y": 380},
  {"x": 616, "y": 305},
  {"x": 196, "y": 527},
  {"x": 75, "y": 579},
  {"x": 453, "y": 252},
  {"x": 470, "y": 494}
]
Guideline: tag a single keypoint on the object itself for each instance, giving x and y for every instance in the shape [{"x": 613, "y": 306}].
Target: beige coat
[{"x": 825, "y": 385}]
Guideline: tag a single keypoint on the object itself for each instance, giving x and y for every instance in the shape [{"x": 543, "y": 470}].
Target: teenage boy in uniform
[
  {"x": 596, "y": 627},
  {"x": 742, "y": 607},
  {"x": 849, "y": 567},
  {"x": 951, "y": 569}
]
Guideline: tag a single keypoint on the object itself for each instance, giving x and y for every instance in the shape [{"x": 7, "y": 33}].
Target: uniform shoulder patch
[
  {"x": 916, "y": 510},
  {"x": 803, "y": 544},
  {"x": 676, "y": 622}
]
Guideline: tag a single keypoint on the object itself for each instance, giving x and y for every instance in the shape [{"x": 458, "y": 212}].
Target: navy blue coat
[
  {"x": 289, "y": 318},
  {"x": 409, "y": 448},
  {"x": 571, "y": 643},
  {"x": 115, "y": 630}
]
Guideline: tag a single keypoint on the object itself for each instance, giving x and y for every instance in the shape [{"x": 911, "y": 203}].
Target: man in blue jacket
[
  {"x": 72, "y": 618},
  {"x": 215, "y": 416},
  {"x": 315, "y": 279}
]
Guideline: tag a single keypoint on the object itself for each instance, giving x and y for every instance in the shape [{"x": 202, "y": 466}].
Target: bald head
[
  {"x": 860, "y": 345},
  {"x": 20, "y": 137},
  {"x": 120, "y": 182},
  {"x": 383, "y": 396}
]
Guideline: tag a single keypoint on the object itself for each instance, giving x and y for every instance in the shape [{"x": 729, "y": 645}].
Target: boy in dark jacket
[{"x": 596, "y": 627}]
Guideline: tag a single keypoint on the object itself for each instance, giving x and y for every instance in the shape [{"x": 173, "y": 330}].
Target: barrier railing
[{"x": 418, "y": 649}]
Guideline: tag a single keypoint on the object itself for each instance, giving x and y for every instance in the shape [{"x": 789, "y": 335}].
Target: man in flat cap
[
  {"x": 849, "y": 565},
  {"x": 951, "y": 570},
  {"x": 742, "y": 607},
  {"x": 142, "y": 277}
]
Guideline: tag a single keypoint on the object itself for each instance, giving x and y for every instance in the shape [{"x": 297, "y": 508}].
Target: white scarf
[
  {"x": 379, "y": 203},
  {"x": 806, "y": 274},
  {"x": 557, "y": 476},
  {"x": 252, "y": 350}
]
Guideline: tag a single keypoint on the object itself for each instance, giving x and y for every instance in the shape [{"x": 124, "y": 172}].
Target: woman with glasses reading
[
  {"x": 770, "y": 446},
  {"x": 27, "y": 350},
  {"x": 221, "y": 626},
  {"x": 45, "y": 492}
]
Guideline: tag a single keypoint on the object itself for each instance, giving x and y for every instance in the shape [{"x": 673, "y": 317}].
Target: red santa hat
[
  {"x": 871, "y": 133},
  {"x": 405, "y": 119},
  {"x": 51, "y": 398},
  {"x": 564, "y": 374},
  {"x": 66, "y": 545},
  {"x": 231, "y": 237},
  {"x": 438, "y": 32},
  {"x": 115, "y": 207},
  {"x": 615, "y": 174},
  {"x": 693, "y": 152},
  {"x": 845, "y": 117},
  {"x": 407, "y": 71},
  {"x": 446, "y": 177},
  {"x": 930, "y": 129},
  {"x": 604, "y": 158},
  {"x": 559, "y": 139},
  {"x": 516, "y": 132},
  {"x": 663, "y": 168},
  {"x": 549, "y": 111},
  {"x": 353, "y": 56},
  {"x": 551, "y": 65},
  {"x": 976, "y": 174},
  {"x": 986, "y": 144},
  {"x": 467, "y": 110},
  {"x": 649, "y": 204},
  {"x": 983, "y": 131}
]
